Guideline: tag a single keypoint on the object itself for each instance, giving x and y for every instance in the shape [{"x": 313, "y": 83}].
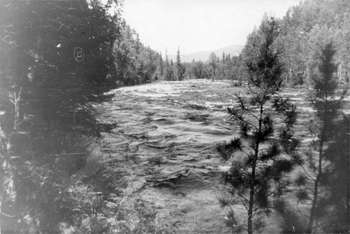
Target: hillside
[{"x": 204, "y": 55}]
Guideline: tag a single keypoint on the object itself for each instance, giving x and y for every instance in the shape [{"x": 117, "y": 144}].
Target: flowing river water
[{"x": 163, "y": 147}]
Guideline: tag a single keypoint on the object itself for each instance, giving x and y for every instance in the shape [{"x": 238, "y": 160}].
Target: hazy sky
[{"x": 198, "y": 25}]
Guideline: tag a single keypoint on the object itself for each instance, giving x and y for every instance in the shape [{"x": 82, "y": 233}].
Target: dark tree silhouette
[
  {"x": 56, "y": 61},
  {"x": 180, "y": 70},
  {"x": 327, "y": 101},
  {"x": 337, "y": 203}
]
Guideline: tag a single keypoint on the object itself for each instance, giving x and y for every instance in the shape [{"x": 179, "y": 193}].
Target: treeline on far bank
[{"x": 304, "y": 29}]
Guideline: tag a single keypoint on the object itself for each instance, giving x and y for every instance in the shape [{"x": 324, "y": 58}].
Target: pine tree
[
  {"x": 260, "y": 161},
  {"x": 161, "y": 66},
  {"x": 327, "y": 106},
  {"x": 167, "y": 67},
  {"x": 171, "y": 71},
  {"x": 180, "y": 70},
  {"x": 213, "y": 65}
]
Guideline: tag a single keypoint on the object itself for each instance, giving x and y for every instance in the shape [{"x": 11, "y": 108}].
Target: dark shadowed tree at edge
[
  {"x": 326, "y": 99},
  {"x": 56, "y": 61},
  {"x": 261, "y": 153},
  {"x": 338, "y": 179}
]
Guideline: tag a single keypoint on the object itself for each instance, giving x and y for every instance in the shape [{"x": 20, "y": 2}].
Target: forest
[{"x": 100, "y": 133}]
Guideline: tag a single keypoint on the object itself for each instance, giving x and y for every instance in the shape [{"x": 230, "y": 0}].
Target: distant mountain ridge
[{"x": 204, "y": 55}]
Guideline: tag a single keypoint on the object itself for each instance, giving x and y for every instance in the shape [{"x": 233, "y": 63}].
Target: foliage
[
  {"x": 59, "y": 62},
  {"x": 136, "y": 63},
  {"x": 226, "y": 149},
  {"x": 291, "y": 222},
  {"x": 259, "y": 172},
  {"x": 327, "y": 101},
  {"x": 309, "y": 26},
  {"x": 196, "y": 70},
  {"x": 303, "y": 30},
  {"x": 61, "y": 58},
  {"x": 180, "y": 70},
  {"x": 213, "y": 65},
  {"x": 225, "y": 69},
  {"x": 338, "y": 201},
  {"x": 169, "y": 69}
]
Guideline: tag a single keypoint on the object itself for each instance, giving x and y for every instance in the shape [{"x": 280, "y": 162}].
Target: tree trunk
[
  {"x": 319, "y": 172},
  {"x": 252, "y": 183},
  {"x": 251, "y": 201},
  {"x": 316, "y": 187},
  {"x": 348, "y": 187}
]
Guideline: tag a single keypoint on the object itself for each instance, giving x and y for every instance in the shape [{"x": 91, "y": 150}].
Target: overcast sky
[{"x": 198, "y": 25}]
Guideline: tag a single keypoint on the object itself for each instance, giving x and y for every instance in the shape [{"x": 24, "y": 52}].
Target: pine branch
[
  {"x": 306, "y": 216},
  {"x": 305, "y": 187},
  {"x": 306, "y": 173},
  {"x": 245, "y": 199},
  {"x": 238, "y": 118}
]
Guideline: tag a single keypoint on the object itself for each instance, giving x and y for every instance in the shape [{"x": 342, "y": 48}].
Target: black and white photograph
[{"x": 174, "y": 116}]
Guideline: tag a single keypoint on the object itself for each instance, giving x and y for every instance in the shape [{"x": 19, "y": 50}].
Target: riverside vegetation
[{"x": 252, "y": 143}]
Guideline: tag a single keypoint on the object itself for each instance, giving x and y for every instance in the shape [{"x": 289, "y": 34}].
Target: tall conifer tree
[
  {"x": 179, "y": 67},
  {"x": 260, "y": 161}
]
